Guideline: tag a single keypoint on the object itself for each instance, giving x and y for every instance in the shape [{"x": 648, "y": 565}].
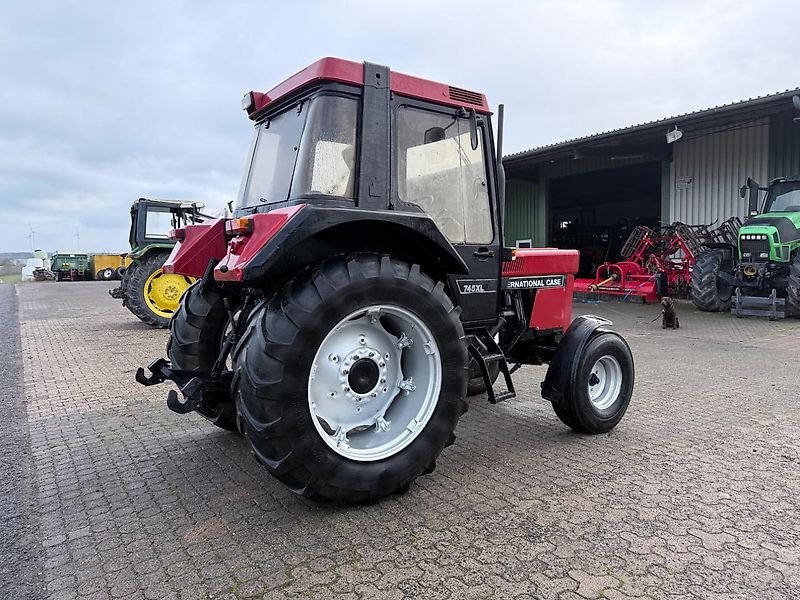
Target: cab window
[{"x": 438, "y": 171}]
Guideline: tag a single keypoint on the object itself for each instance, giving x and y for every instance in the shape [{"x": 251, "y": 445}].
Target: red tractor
[{"x": 362, "y": 287}]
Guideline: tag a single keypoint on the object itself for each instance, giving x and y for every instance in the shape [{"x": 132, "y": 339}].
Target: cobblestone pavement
[{"x": 695, "y": 494}]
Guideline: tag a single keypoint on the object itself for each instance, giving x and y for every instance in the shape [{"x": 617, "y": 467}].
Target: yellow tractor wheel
[
  {"x": 151, "y": 294},
  {"x": 162, "y": 292}
]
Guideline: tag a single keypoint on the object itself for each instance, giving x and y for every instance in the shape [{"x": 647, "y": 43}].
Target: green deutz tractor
[
  {"x": 761, "y": 276},
  {"x": 146, "y": 291}
]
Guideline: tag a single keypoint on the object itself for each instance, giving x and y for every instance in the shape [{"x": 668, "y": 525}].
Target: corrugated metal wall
[
  {"x": 709, "y": 168},
  {"x": 784, "y": 145},
  {"x": 526, "y": 212}
]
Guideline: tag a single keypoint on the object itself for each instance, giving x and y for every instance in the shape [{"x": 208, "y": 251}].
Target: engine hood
[{"x": 787, "y": 226}]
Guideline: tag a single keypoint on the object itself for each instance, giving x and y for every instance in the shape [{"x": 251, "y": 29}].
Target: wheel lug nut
[
  {"x": 383, "y": 364},
  {"x": 346, "y": 389},
  {"x": 371, "y": 354},
  {"x": 345, "y": 371},
  {"x": 333, "y": 358},
  {"x": 383, "y": 381}
]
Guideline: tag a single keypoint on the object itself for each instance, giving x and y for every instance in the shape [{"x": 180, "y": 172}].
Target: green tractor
[
  {"x": 761, "y": 275},
  {"x": 146, "y": 291}
]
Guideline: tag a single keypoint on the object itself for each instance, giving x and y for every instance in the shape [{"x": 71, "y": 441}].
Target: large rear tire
[
  {"x": 350, "y": 380},
  {"x": 793, "y": 288},
  {"x": 601, "y": 387},
  {"x": 709, "y": 293},
  {"x": 196, "y": 337},
  {"x": 151, "y": 294}
]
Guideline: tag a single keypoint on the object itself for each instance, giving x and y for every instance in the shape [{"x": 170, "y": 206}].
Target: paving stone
[{"x": 694, "y": 494}]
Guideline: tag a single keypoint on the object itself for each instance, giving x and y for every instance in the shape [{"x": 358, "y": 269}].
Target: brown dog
[{"x": 669, "y": 316}]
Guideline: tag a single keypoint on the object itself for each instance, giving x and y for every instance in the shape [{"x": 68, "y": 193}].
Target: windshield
[
  {"x": 308, "y": 149},
  {"x": 784, "y": 197}
]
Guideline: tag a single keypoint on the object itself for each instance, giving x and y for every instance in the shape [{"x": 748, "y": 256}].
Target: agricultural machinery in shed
[
  {"x": 657, "y": 262},
  {"x": 757, "y": 273},
  {"x": 362, "y": 285}
]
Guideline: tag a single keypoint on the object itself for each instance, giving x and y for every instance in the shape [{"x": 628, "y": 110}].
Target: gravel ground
[{"x": 694, "y": 495}]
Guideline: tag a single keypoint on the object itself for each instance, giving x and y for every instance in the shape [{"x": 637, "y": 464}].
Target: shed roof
[{"x": 649, "y": 137}]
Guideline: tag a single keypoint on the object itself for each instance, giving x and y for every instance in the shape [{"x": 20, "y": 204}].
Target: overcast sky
[{"x": 104, "y": 102}]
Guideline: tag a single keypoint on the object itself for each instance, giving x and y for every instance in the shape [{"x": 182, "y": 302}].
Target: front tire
[
  {"x": 350, "y": 380},
  {"x": 709, "y": 293},
  {"x": 196, "y": 337},
  {"x": 601, "y": 387}
]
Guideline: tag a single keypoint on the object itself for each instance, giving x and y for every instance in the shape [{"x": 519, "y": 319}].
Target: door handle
[{"x": 483, "y": 253}]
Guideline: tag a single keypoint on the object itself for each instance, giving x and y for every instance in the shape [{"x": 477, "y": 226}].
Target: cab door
[{"x": 441, "y": 173}]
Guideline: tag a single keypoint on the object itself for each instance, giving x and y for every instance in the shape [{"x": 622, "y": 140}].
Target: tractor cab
[
  {"x": 342, "y": 135},
  {"x": 152, "y": 220}
]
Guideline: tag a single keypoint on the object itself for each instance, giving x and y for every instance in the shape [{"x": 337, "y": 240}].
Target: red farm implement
[{"x": 657, "y": 262}]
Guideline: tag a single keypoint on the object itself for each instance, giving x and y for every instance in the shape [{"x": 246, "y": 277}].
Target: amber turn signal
[{"x": 239, "y": 226}]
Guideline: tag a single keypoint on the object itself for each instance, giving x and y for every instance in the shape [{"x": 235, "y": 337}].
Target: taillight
[
  {"x": 177, "y": 235},
  {"x": 240, "y": 226}
]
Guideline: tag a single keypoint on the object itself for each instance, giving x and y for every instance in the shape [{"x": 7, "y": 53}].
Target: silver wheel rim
[
  {"x": 605, "y": 382},
  {"x": 374, "y": 382}
]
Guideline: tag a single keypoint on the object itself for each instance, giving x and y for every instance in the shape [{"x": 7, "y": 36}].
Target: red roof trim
[{"x": 349, "y": 72}]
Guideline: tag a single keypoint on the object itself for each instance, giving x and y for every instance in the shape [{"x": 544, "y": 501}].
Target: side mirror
[
  {"x": 742, "y": 191},
  {"x": 434, "y": 134},
  {"x": 230, "y": 206},
  {"x": 752, "y": 208},
  {"x": 473, "y": 129}
]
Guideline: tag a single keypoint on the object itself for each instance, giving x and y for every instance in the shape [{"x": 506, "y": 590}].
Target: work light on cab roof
[{"x": 362, "y": 288}]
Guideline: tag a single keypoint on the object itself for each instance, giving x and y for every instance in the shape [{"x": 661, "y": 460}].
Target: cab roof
[{"x": 348, "y": 72}]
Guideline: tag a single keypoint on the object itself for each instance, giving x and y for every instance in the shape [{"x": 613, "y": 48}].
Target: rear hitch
[
  {"x": 196, "y": 390},
  {"x": 159, "y": 373}
]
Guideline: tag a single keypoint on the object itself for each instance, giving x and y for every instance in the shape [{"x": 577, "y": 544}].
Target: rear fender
[
  {"x": 201, "y": 244},
  {"x": 302, "y": 237},
  {"x": 557, "y": 382}
]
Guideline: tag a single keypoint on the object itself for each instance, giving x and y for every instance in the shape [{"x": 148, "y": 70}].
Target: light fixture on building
[{"x": 674, "y": 135}]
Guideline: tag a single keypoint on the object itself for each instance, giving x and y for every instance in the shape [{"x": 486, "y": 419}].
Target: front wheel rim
[
  {"x": 605, "y": 382},
  {"x": 374, "y": 382}
]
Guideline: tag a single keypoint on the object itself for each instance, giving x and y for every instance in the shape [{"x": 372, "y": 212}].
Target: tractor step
[
  {"x": 486, "y": 351},
  {"x": 504, "y": 396},
  {"x": 743, "y": 306}
]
